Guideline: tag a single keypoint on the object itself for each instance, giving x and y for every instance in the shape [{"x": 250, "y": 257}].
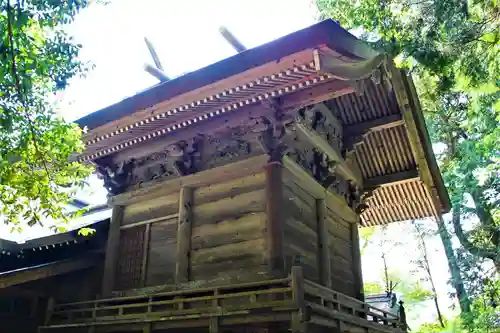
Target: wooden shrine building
[{"x": 237, "y": 191}]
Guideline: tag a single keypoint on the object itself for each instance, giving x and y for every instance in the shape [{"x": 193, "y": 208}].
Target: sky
[{"x": 185, "y": 35}]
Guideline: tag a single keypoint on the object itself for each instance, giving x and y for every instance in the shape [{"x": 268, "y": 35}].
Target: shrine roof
[
  {"x": 320, "y": 64},
  {"x": 326, "y": 32}
]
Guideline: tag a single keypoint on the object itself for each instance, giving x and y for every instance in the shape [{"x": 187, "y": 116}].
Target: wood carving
[
  {"x": 189, "y": 155},
  {"x": 319, "y": 118},
  {"x": 153, "y": 167},
  {"x": 272, "y": 131},
  {"x": 117, "y": 178}
]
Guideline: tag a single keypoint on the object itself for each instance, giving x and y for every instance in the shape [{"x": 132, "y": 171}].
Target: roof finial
[
  {"x": 157, "y": 71},
  {"x": 231, "y": 39}
]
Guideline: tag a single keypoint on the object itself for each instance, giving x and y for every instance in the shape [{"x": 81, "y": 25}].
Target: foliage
[
  {"x": 452, "y": 49},
  {"x": 365, "y": 234},
  {"x": 37, "y": 170}
]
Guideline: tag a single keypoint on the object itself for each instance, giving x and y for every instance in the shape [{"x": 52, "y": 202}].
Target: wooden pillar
[
  {"x": 145, "y": 252},
  {"x": 298, "y": 323},
  {"x": 184, "y": 235},
  {"x": 356, "y": 261},
  {"x": 274, "y": 219},
  {"x": 325, "y": 271},
  {"x": 51, "y": 303},
  {"x": 112, "y": 247}
]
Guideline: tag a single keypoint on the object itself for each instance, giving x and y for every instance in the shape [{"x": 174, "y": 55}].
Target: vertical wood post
[
  {"x": 51, "y": 303},
  {"x": 325, "y": 270},
  {"x": 274, "y": 219},
  {"x": 214, "y": 321},
  {"x": 356, "y": 262},
  {"x": 145, "y": 251},
  {"x": 112, "y": 247},
  {"x": 298, "y": 323},
  {"x": 184, "y": 235}
]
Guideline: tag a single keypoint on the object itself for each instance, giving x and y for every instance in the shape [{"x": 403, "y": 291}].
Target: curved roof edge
[{"x": 326, "y": 32}]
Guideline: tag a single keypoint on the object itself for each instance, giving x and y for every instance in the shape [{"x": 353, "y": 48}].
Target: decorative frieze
[{"x": 319, "y": 118}]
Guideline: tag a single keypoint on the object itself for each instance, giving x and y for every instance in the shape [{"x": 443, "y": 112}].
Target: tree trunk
[
  {"x": 456, "y": 278},
  {"x": 486, "y": 219},
  {"x": 468, "y": 245}
]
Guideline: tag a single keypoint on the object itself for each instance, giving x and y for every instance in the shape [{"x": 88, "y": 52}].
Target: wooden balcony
[{"x": 291, "y": 302}]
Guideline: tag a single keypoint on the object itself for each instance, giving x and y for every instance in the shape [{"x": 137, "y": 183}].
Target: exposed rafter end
[
  {"x": 391, "y": 179},
  {"x": 232, "y": 40},
  {"x": 156, "y": 73}
]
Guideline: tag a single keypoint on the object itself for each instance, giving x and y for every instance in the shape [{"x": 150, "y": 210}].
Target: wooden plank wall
[
  {"x": 147, "y": 250},
  {"x": 301, "y": 228},
  {"x": 341, "y": 260},
  {"x": 162, "y": 253},
  {"x": 227, "y": 239}
]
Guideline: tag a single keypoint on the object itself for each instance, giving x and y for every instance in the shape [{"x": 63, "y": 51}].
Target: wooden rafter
[
  {"x": 392, "y": 179},
  {"x": 373, "y": 125}
]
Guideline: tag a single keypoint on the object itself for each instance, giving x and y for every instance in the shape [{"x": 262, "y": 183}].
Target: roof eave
[{"x": 326, "y": 32}]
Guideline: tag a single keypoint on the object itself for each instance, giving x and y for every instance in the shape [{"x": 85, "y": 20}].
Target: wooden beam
[
  {"x": 274, "y": 222},
  {"x": 356, "y": 263},
  {"x": 30, "y": 274},
  {"x": 323, "y": 245},
  {"x": 373, "y": 125},
  {"x": 347, "y": 171},
  {"x": 184, "y": 235},
  {"x": 298, "y": 324},
  {"x": 391, "y": 179},
  {"x": 145, "y": 253},
  {"x": 112, "y": 248},
  {"x": 314, "y": 95},
  {"x": 154, "y": 55},
  {"x": 200, "y": 179},
  {"x": 232, "y": 40},
  {"x": 157, "y": 73}
]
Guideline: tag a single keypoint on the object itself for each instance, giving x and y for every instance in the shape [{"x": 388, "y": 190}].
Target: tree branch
[
  {"x": 19, "y": 88},
  {"x": 466, "y": 243}
]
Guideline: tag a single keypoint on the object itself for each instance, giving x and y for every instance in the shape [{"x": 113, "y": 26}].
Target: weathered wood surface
[
  {"x": 293, "y": 301},
  {"x": 153, "y": 208},
  {"x": 304, "y": 179},
  {"x": 356, "y": 261},
  {"x": 324, "y": 262},
  {"x": 227, "y": 240},
  {"x": 274, "y": 233},
  {"x": 198, "y": 180},
  {"x": 301, "y": 228},
  {"x": 43, "y": 272},
  {"x": 130, "y": 255},
  {"x": 184, "y": 234},
  {"x": 112, "y": 251},
  {"x": 162, "y": 253},
  {"x": 341, "y": 250}
]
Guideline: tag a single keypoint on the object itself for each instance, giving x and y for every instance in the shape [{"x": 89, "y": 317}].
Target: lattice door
[{"x": 128, "y": 273}]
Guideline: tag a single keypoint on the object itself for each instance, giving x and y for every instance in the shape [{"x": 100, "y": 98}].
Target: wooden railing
[
  {"x": 301, "y": 302},
  {"x": 335, "y": 305}
]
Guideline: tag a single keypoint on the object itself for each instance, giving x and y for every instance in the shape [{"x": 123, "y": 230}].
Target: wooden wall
[
  {"x": 300, "y": 228},
  {"x": 305, "y": 235},
  {"x": 220, "y": 233},
  {"x": 341, "y": 260},
  {"x": 227, "y": 240},
  {"x": 147, "y": 245}
]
